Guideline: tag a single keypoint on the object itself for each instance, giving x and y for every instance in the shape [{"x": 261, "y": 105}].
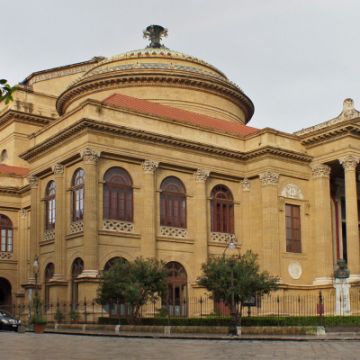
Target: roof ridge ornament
[{"x": 154, "y": 33}]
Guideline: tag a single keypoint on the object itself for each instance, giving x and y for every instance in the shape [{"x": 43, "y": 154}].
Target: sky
[{"x": 296, "y": 59}]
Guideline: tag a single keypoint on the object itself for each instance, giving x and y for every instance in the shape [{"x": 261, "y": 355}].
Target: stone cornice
[
  {"x": 220, "y": 87},
  {"x": 338, "y": 130},
  {"x": 88, "y": 124},
  {"x": 14, "y": 115},
  {"x": 14, "y": 190}
]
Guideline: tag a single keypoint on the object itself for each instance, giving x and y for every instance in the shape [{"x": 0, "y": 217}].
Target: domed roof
[{"x": 157, "y": 67}]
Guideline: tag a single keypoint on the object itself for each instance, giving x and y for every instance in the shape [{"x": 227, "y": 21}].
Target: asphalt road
[{"x": 30, "y": 346}]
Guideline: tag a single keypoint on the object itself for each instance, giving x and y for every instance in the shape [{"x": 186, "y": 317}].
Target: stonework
[{"x": 155, "y": 114}]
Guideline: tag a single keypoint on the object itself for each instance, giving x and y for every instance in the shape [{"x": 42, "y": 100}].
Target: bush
[{"x": 246, "y": 321}]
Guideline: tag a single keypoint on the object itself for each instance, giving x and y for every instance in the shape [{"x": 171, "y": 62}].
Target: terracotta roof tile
[
  {"x": 155, "y": 109},
  {"x": 13, "y": 170}
]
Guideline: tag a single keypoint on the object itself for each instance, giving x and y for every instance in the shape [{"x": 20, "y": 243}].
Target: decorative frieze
[
  {"x": 245, "y": 184},
  {"x": 6, "y": 255},
  {"x": 33, "y": 181},
  {"x": 58, "y": 169},
  {"x": 201, "y": 175},
  {"x": 118, "y": 226},
  {"x": 269, "y": 178},
  {"x": 90, "y": 155},
  {"x": 49, "y": 235},
  {"x": 223, "y": 238},
  {"x": 349, "y": 162},
  {"x": 150, "y": 166},
  {"x": 174, "y": 232},
  {"x": 292, "y": 191},
  {"x": 76, "y": 227},
  {"x": 320, "y": 170}
]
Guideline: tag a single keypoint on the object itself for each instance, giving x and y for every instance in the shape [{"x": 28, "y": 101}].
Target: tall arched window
[
  {"x": 222, "y": 210},
  {"x": 112, "y": 261},
  {"x": 6, "y": 229},
  {"x": 77, "y": 189},
  {"x": 176, "y": 300},
  {"x": 49, "y": 273},
  {"x": 50, "y": 205},
  {"x": 118, "y": 195},
  {"x": 76, "y": 269},
  {"x": 172, "y": 203}
]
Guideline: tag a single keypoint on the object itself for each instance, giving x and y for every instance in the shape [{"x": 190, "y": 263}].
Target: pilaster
[
  {"x": 322, "y": 224},
  {"x": 349, "y": 164},
  {"x": 201, "y": 225},
  {"x": 90, "y": 243},
  {"x": 271, "y": 246},
  {"x": 148, "y": 241}
]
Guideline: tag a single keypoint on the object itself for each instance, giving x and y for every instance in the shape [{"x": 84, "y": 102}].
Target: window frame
[
  {"x": 173, "y": 205},
  {"x": 293, "y": 241},
  {"x": 118, "y": 197},
  {"x": 50, "y": 205},
  {"x": 222, "y": 210},
  {"x": 77, "y": 195},
  {"x": 6, "y": 235}
]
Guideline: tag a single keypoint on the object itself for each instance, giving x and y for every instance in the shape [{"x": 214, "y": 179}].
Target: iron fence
[{"x": 276, "y": 305}]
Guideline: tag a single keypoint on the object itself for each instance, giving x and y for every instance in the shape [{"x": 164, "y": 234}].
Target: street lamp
[
  {"x": 231, "y": 245},
  {"x": 36, "y": 273}
]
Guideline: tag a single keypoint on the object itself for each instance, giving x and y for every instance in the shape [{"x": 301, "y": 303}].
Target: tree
[
  {"x": 235, "y": 279},
  {"x": 6, "y": 91},
  {"x": 134, "y": 283}
]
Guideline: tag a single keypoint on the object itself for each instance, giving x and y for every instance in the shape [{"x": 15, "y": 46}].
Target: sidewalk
[{"x": 331, "y": 336}]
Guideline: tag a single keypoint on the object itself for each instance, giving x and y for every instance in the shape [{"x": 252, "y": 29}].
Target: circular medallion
[{"x": 295, "y": 270}]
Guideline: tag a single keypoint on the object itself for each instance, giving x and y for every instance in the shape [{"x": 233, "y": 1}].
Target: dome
[{"x": 165, "y": 76}]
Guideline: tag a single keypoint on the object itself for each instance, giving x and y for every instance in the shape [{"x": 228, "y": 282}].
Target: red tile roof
[
  {"x": 165, "y": 111},
  {"x": 13, "y": 170}
]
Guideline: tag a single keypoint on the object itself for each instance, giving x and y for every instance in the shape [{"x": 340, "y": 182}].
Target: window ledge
[
  {"x": 120, "y": 234},
  {"x": 173, "y": 232}
]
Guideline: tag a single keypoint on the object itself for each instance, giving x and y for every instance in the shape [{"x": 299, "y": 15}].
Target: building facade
[{"x": 148, "y": 154}]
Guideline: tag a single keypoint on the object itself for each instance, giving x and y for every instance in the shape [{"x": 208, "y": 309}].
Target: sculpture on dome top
[{"x": 154, "y": 33}]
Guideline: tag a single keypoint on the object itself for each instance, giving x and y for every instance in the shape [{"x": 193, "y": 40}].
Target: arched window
[
  {"x": 49, "y": 273},
  {"x": 222, "y": 210},
  {"x": 4, "y": 155},
  {"x": 77, "y": 189},
  {"x": 6, "y": 229},
  {"x": 172, "y": 203},
  {"x": 112, "y": 261},
  {"x": 118, "y": 195},
  {"x": 76, "y": 269},
  {"x": 50, "y": 205},
  {"x": 176, "y": 300}
]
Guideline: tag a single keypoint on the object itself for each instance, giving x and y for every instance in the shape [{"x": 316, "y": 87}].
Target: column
[
  {"x": 323, "y": 249},
  {"x": 60, "y": 253},
  {"x": 201, "y": 224},
  {"x": 349, "y": 164},
  {"x": 271, "y": 248},
  {"x": 90, "y": 241},
  {"x": 148, "y": 241},
  {"x": 22, "y": 245},
  {"x": 245, "y": 235},
  {"x": 34, "y": 225}
]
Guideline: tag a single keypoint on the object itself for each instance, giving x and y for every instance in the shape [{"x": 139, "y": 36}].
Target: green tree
[
  {"x": 235, "y": 279},
  {"x": 133, "y": 283},
  {"x": 6, "y": 91}
]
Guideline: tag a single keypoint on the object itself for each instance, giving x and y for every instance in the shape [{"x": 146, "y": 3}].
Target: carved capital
[
  {"x": 245, "y": 184},
  {"x": 23, "y": 213},
  {"x": 349, "y": 162},
  {"x": 320, "y": 170},
  {"x": 150, "y": 166},
  {"x": 58, "y": 169},
  {"x": 269, "y": 178},
  {"x": 90, "y": 156},
  {"x": 33, "y": 181},
  {"x": 201, "y": 175}
]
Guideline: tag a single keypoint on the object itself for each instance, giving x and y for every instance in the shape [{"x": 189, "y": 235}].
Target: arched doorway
[
  {"x": 176, "y": 300},
  {"x": 76, "y": 269},
  {"x": 5, "y": 294}
]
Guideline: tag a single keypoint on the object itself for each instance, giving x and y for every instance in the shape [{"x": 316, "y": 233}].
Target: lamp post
[
  {"x": 231, "y": 245},
  {"x": 36, "y": 273}
]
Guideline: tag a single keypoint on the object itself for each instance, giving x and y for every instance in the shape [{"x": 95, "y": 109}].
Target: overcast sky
[{"x": 296, "y": 59}]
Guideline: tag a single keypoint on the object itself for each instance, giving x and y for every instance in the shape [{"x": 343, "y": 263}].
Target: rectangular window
[{"x": 293, "y": 228}]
